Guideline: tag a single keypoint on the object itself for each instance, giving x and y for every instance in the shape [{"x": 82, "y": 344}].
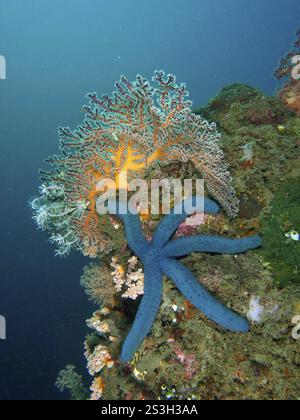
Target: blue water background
[{"x": 56, "y": 52}]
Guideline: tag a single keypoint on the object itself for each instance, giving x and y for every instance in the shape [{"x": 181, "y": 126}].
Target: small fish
[{"x": 293, "y": 235}]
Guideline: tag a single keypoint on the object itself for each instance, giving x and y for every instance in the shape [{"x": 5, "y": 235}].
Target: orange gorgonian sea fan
[{"x": 139, "y": 126}]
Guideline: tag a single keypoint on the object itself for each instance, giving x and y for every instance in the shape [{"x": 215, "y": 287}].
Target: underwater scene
[{"x": 150, "y": 203}]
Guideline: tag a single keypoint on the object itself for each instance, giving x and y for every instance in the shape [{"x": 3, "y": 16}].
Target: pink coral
[
  {"x": 190, "y": 225},
  {"x": 189, "y": 362}
]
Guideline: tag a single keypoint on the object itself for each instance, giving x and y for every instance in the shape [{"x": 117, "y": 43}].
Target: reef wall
[{"x": 186, "y": 355}]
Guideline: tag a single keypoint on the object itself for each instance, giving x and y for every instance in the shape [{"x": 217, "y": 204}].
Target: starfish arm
[
  {"x": 135, "y": 235},
  {"x": 170, "y": 223},
  {"x": 146, "y": 313},
  {"x": 201, "y": 298},
  {"x": 210, "y": 244},
  {"x": 134, "y": 232}
]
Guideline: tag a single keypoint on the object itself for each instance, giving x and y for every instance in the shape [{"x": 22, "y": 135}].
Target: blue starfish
[{"x": 159, "y": 258}]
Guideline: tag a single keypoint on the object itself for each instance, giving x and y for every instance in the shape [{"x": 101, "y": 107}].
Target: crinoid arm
[
  {"x": 201, "y": 298},
  {"x": 210, "y": 244},
  {"x": 146, "y": 314},
  {"x": 178, "y": 215}
]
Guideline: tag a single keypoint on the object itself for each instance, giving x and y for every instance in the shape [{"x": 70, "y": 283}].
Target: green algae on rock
[
  {"x": 248, "y": 117},
  {"x": 283, "y": 253},
  {"x": 241, "y": 105},
  {"x": 186, "y": 356}
]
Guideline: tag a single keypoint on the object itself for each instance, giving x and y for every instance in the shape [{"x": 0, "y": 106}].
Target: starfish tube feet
[{"x": 201, "y": 298}]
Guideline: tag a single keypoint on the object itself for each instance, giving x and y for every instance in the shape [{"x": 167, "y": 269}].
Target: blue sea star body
[{"x": 159, "y": 258}]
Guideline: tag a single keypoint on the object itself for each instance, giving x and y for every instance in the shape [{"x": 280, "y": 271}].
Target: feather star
[{"x": 160, "y": 257}]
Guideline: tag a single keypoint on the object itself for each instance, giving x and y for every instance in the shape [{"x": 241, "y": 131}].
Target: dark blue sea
[{"x": 56, "y": 51}]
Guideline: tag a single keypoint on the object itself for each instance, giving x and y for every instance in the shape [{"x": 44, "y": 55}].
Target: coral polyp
[{"x": 140, "y": 126}]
